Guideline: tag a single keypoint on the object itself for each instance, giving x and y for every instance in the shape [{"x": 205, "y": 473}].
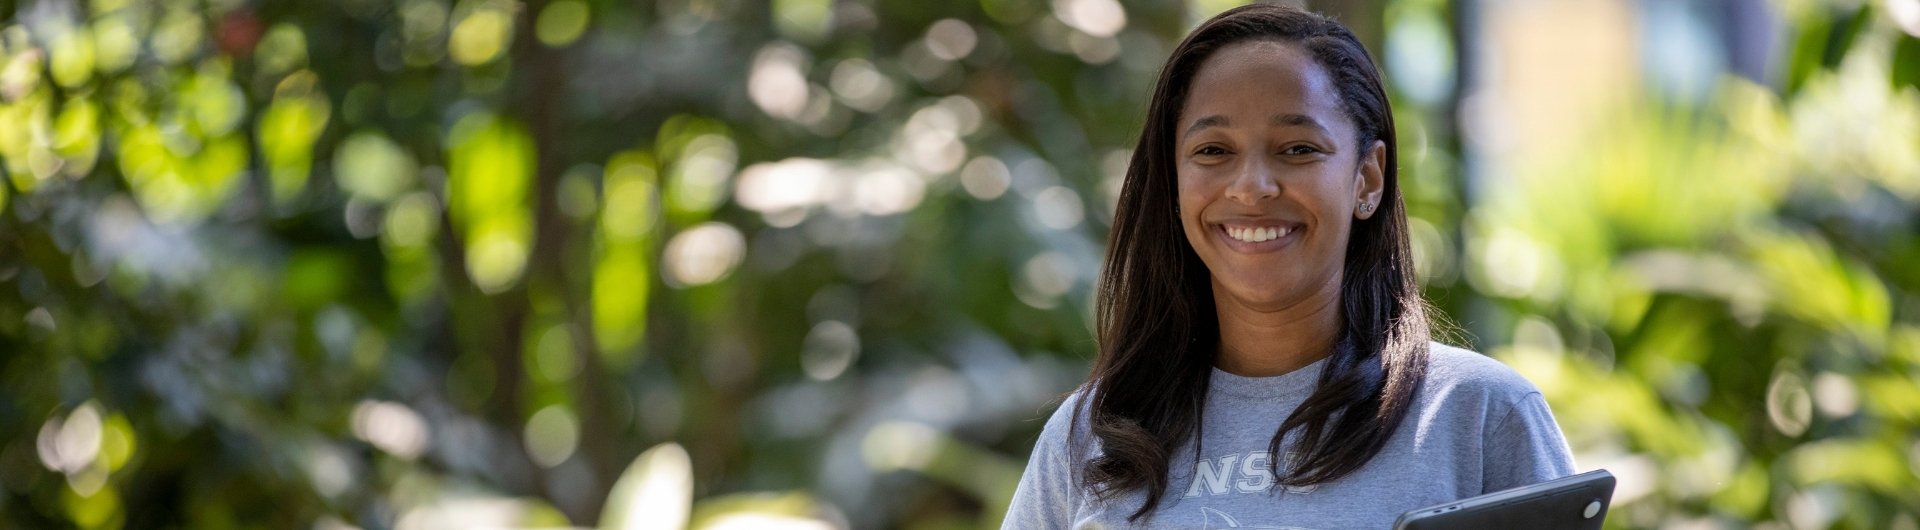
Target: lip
[{"x": 1272, "y": 245}]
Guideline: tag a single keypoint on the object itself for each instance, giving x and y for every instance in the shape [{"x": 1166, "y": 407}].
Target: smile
[
  {"x": 1257, "y": 238},
  {"x": 1256, "y": 235}
]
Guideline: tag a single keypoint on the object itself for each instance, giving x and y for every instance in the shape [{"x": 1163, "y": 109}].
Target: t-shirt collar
[{"x": 1298, "y": 382}]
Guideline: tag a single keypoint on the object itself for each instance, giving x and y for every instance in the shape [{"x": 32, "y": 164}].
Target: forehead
[{"x": 1256, "y": 79}]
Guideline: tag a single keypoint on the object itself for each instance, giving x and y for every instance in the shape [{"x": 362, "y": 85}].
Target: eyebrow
[
  {"x": 1296, "y": 120},
  {"x": 1278, "y": 120},
  {"x": 1215, "y": 120}
]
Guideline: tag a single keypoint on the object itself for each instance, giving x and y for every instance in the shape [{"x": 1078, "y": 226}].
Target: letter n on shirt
[
  {"x": 1214, "y": 478},
  {"x": 1236, "y": 473}
]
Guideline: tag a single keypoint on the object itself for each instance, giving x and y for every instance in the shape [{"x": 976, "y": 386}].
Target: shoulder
[
  {"x": 1048, "y": 493},
  {"x": 1456, "y": 373},
  {"x": 1070, "y": 415},
  {"x": 1471, "y": 396},
  {"x": 1066, "y": 442},
  {"x": 1060, "y": 429}
]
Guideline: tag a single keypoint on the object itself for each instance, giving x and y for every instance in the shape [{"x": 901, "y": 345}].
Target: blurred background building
[{"x": 422, "y": 264}]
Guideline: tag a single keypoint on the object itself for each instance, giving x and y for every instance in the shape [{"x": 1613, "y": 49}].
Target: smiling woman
[
  {"x": 1262, "y": 338},
  {"x": 1266, "y": 202}
]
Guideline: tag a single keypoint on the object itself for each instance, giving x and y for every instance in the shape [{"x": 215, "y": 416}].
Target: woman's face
[{"x": 1270, "y": 176}]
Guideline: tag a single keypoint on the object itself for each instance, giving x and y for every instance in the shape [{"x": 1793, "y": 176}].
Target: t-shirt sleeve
[
  {"x": 1525, "y": 447},
  {"x": 1045, "y": 498}
]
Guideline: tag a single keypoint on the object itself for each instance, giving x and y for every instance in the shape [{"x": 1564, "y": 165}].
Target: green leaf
[
  {"x": 1906, "y": 62},
  {"x": 490, "y": 171},
  {"x": 373, "y": 167}
]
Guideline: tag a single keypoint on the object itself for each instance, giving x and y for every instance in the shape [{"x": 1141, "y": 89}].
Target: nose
[{"x": 1256, "y": 181}]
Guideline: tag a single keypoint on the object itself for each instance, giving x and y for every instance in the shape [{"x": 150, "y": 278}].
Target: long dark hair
[{"x": 1158, "y": 334}]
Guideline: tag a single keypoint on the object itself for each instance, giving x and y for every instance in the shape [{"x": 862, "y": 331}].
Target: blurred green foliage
[{"x": 453, "y": 263}]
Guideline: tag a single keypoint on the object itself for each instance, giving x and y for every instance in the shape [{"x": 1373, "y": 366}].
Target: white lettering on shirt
[
  {"x": 1255, "y": 475},
  {"x": 1215, "y": 478},
  {"x": 1221, "y": 476}
]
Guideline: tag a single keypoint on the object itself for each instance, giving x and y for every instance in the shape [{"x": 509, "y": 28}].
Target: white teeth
[{"x": 1256, "y": 235}]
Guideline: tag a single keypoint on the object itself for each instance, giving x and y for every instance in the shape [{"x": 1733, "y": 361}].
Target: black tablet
[{"x": 1575, "y": 502}]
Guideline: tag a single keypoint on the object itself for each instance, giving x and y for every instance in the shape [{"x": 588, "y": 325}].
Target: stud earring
[{"x": 1366, "y": 208}]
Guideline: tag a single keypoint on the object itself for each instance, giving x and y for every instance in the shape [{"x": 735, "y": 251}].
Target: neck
[{"x": 1260, "y": 342}]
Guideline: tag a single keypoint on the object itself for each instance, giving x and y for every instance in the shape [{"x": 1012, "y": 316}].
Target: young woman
[{"x": 1264, "y": 351}]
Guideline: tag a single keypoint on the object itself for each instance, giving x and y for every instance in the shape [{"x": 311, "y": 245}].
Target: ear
[{"x": 1370, "y": 181}]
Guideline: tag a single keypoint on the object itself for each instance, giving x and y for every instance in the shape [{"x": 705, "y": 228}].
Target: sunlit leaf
[
  {"x": 371, "y": 166},
  {"x": 621, "y": 280},
  {"x": 102, "y": 509},
  {"x": 21, "y": 74},
  {"x": 1894, "y": 397},
  {"x": 76, "y": 136},
  {"x": 490, "y": 170},
  {"x": 1861, "y": 462},
  {"x": 282, "y": 49},
  {"x": 181, "y": 186},
  {"x": 482, "y": 31},
  {"x": 217, "y": 170},
  {"x": 72, "y": 53},
  {"x": 655, "y": 492},
  {"x": 179, "y": 36},
  {"x": 623, "y": 266},
  {"x": 497, "y": 248},
  {"x": 549, "y": 355},
  {"x": 794, "y": 510},
  {"x": 806, "y": 20},
  {"x": 287, "y": 132},
  {"x": 116, "y": 43},
  {"x": 1747, "y": 494},
  {"x": 1815, "y": 285},
  {"x": 216, "y": 105},
  {"x": 117, "y": 442},
  {"x": 423, "y": 28},
  {"x": 21, "y": 124},
  {"x": 562, "y": 22},
  {"x": 700, "y": 159},
  {"x": 411, "y": 222},
  {"x": 702, "y": 254}
]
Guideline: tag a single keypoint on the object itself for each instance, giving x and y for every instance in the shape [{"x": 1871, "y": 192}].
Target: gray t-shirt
[{"x": 1476, "y": 427}]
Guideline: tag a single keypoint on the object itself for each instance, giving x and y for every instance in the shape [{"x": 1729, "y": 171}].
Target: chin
[{"x": 1263, "y": 293}]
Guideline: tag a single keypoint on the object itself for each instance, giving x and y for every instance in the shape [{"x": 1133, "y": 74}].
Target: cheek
[
  {"x": 1197, "y": 187},
  {"x": 1336, "y": 220},
  {"x": 1190, "y": 197},
  {"x": 1332, "y": 194},
  {"x": 1183, "y": 185}
]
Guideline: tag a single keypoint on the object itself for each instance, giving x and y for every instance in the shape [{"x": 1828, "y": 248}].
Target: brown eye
[
  {"x": 1300, "y": 150},
  {"x": 1211, "y": 150}
]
